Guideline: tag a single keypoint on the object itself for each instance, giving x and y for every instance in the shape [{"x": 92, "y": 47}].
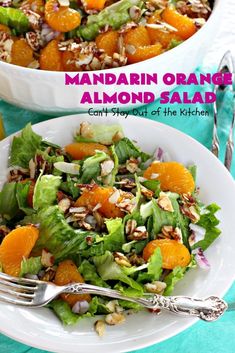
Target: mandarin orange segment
[
  {"x": 50, "y": 57},
  {"x": 61, "y": 18},
  {"x": 80, "y": 150},
  {"x": 95, "y": 4},
  {"x": 17, "y": 245},
  {"x": 137, "y": 37},
  {"x": 66, "y": 273},
  {"x": 4, "y": 28},
  {"x": 173, "y": 253},
  {"x": 144, "y": 53},
  {"x": 185, "y": 25},
  {"x": 156, "y": 35},
  {"x": 100, "y": 195},
  {"x": 108, "y": 42},
  {"x": 21, "y": 53},
  {"x": 68, "y": 61},
  {"x": 173, "y": 176}
]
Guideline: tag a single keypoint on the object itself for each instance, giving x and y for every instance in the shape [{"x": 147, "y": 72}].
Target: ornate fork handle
[{"x": 208, "y": 309}]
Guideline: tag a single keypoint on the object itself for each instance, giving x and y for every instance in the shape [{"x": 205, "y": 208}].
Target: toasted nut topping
[
  {"x": 164, "y": 202},
  {"x": 114, "y": 197},
  {"x": 121, "y": 259},
  {"x": 64, "y": 204},
  {"x": 126, "y": 183},
  {"x": 130, "y": 49},
  {"x": 100, "y": 327},
  {"x": 132, "y": 165},
  {"x": 190, "y": 212},
  {"x": 155, "y": 287},
  {"x": 135, "y": 13},
  {"x": 86, "y": 130},
  {"x": 136, "y": 260},
  {"x": 167, "y": 230},
  {"x": 115, "y": 318},
  {"x": 111, "y": 305},
  {"x": 106, "y": 167},
  {"x": 140, "y": 233},
  {"x": 146, "y": 192},
  {"x": 47, "y": 259},
  {"x": 131, "y": 225}
]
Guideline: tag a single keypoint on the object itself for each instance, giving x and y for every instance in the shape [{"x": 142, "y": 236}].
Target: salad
[
  {"x": 87, "y": 35},
  {"x": 101, "y": 211}
]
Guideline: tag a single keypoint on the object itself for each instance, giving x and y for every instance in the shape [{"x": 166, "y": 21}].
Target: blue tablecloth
[{"x": 202, "y": 337}]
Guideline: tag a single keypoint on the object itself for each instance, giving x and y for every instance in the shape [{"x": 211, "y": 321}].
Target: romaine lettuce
[
  {"x": 32, "y": 266},
  {"x": 45, "y": 191},
  {"x": 24, "y": 147},
  {"x": 8, "y": 201},
  {"x": 104, "y": 134},
  {"x": 125, "y": 149},
  {"x": 88, "y": 271}
]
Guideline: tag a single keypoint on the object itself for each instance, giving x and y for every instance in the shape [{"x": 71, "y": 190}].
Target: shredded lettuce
[
  {"x": 88, "y": 271},
  {"x": 209, "y": 222},
  {"x": 22, "y": 191},
  {"x": 108, "y": 269},
  {"x": 45, "y": 191},
  {"x": 8, "y": 201},
  {"x": 70, "y": 187},
  {"x": 125, "y": 149},
  {"x": 24, "y": 147},
  {"x": 175, "y": 276},
  {"x": 64, "y": 312},
  {"x": 56, "y": 235},
  {"x": 32, "y": 265},
  {"x": 91, "y": 167},
  {"x": 104, "y": 134}
]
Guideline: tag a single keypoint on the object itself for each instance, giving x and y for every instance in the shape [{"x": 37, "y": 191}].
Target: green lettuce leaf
[
  {"x": 91, "y": 167},
  {"x": 45, "y": 191},
  {"x": 64, "y": 312},
  {"x": 175, "y": 276},
  {"x": 69, "y": 187},
  {"x": 100, "y": 133},
  {"x": 56, "y": 235},
  {"x": 22, "y": 190},
  {"x": 24, "y": 147},
  {"x": 209, "y": 222},
  {"x": 125, "y": 149},
  {"x": 32, "y": 266},
  {"x": 8, "y": 201},
  {"x": 115, "y": 238},
  {"x": 88, "y": 271},
  {"x": 108, "y": 269}
]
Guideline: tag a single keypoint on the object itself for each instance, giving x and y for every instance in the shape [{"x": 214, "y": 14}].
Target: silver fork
[
  {"x": 226, "y": 65},
  {"x": 35, "y": 293}
]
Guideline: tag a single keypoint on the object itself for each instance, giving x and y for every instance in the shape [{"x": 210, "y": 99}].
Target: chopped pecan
[
  {"x": 114, "y": 318},
  {"x": 164, "y": 202},
  {"x": 100, "y": 327},
  {"x": 131, "y": 225},
  {"x": 140, "y": 233},
  {"x": 156, "y": 287},
  {"x": 136, "y": 260},
  {"x": 121, "y": 259}
]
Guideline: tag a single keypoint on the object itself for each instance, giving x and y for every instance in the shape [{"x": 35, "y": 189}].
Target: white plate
[{"x": 40, "y": 328}]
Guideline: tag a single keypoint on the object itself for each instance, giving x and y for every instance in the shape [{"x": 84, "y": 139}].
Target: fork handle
[{"x": 208, "y": 309}]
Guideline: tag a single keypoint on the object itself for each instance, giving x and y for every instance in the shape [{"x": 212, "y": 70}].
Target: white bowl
[
  {"x": 45, "y": 91},
  {"x": 40, "y": 328}
]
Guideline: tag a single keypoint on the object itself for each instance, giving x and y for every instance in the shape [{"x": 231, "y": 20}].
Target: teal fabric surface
[{"x": 202, "y": 337}]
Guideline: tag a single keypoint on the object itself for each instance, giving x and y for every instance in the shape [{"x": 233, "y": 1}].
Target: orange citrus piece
[
  {"x": 94, "y": 4},
  {"x": 67, "y": 272},
  {"x": 61, "y": 18},
  {"x": 137, "y": 37},
  {"x": 173, "y": 176},
  {"x": 17, "y": 245},
  {"x": 156, "y": 35},
  {"x": 4, "y": 28},
  {"x": 21, "y": 53},
  {"x": 173, "y": 253},
  {"x": 144, "y": 53},
  {"x": 185, "y": 25},
  {"x": 100, "y": 195},
  {"x": 80, "y": 150},
  {"x": 51, "y": 58},
  {"x": 68, "y": 61},
  {"x": 108, "y": 42}
]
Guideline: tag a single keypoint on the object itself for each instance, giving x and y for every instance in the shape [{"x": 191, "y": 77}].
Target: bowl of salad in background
[
  {"x": 126, "y": 36},
  {"x": 216, "y": 186}
]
